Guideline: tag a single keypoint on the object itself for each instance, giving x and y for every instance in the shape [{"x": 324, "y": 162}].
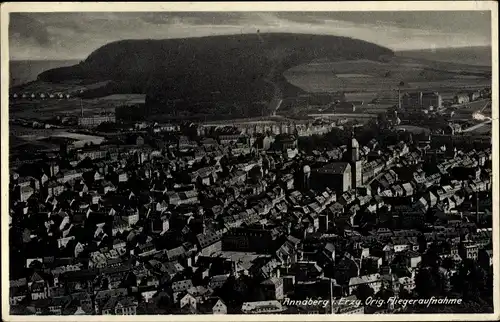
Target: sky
[{"x": 61, "y": 36}]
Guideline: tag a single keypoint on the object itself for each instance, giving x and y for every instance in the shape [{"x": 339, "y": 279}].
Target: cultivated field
[
  {"x": 49, "y": 108},
  {"x": 363, "y": 76}
]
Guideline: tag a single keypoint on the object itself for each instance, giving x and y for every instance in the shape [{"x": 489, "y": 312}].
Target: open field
[
  {"x": 373, "y": 76},
  {"x": 47, "y": 109},
  {"x": 361, "y": 80},
  {"x": 29, "y": 134},
  {"x": 480, "y": 56}
]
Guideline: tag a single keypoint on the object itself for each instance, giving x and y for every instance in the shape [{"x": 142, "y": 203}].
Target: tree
[
  {"x": 364, "y": 291},
  {"x": 425, "y": 283},
  {"x": 255, "y": 174}
]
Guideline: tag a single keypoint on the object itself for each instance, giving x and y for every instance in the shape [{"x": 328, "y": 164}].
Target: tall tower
[
  {"x": 307, "y": 176},
  {"x": 354, "y": 149},
  {"x": 356, "y": 163}
]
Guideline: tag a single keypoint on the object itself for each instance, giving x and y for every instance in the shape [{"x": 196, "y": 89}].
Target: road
[
  {"x": 472, "y": 105},
  {"x": 358, "y": 115},
  {"x": 477, "y": 126}
]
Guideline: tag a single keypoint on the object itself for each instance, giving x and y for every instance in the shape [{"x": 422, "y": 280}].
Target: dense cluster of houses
[{"x": 156, "y": 225}]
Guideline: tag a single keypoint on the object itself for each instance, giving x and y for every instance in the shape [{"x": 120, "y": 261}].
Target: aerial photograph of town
[{"x": 262, "y": 162}]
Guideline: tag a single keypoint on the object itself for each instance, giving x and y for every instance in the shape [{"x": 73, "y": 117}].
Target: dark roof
[{"x": 334, "y": 168}]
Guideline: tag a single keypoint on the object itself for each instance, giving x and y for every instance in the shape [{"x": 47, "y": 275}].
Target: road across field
[{"x": 477, "y": 126}]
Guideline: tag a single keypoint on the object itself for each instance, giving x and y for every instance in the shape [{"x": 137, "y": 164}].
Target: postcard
[{"x": 250, "y": 161}]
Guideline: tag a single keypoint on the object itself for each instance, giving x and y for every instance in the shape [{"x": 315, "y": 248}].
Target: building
[
  {"x": 95, "y": 120},
  {"x": 262, "y": 307},
  {"x": 431, "y": 99},
  {"x": 422, "y": 100},
  {"x": 344, "y": 107},
  {"x": 412, "y": 100},
  {"x": 248, "y": 240},
  {"x": 356, "y": 163},
  {"x": 336, "y": 176},
  {"x": 273, "y": 288},
  {"x": 373, "y": 280},
  {"x": 469, "y": 250},
  {"x": 461, "y": 98},
  {"x": 473, "y": 96},
  {"x": 283, "y": 142}
]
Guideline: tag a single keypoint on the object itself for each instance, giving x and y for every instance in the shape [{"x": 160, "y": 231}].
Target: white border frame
[{"x": 6, "y": 8}]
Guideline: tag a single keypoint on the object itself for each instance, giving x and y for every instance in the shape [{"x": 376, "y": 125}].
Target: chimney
[
  {"x": 331, "y": 297},
  {"x": 399, "y": 98},
  {"x": 477, "y": 208}
]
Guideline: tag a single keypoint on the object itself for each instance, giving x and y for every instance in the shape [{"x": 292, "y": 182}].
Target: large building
[
  {"x": 243, "y": 239},
  {"x": 283, "y": 142},
  {"x": 422, "y": 100},
  {"x": 341, "y": 176},
  {"x": 461, "y": 98},
  {"x": 356, "y": 164},
  {"x": 95, "y": 120},
  {"x": 412, "y": 100},
  {"x": 431, "y": 99},
  {"x": 336, "y": 176}
]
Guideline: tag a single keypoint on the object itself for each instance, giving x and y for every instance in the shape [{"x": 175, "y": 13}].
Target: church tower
[
  {"x": 354, "y": 149},
  {"x": 356, "y": 163}
]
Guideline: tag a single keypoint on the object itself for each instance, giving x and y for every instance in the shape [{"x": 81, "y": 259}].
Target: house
[
  {"x": 179, "y": 287},
  {"x": 273, "y": 288},
  {"x": 122, "y": 176},
  {"x": 131, "y": 216},
  {"x": 54, "y": 188},
  {"x": 120, "y": 306},
  {"x": 28, "y": 182},
  {"x": 146, "y": 249},
  {"x": 119, "y": 244},
  {"x": 119, "y": 225},
  {"x": 188, "y": 300},
  {"x": 53, "y": 306},
  {"x": 38, "y": 291},
  {"x": 407, "y": 283},
  {"x": 17, "y": 294},
  {"x": 219, "y": 307},
  {"x": 70, "y": 175},
  {"x": 44, "y": 178},
  {"x": 262, "y": 307},
  {"x": 413, "y": 259},
  {"x": 469, "y": 250},
  {"x": 148, "y": 295},
  {"x": 217, "y": 281},
  {"x": 212, "y": 305},
  {"x": 209, "y": 243},
  {"x": 62, "y": 242},
  {"x": 159, "y": 222},
  {"x": 372, "y": 280},
  {"x": 25, "y": 193}
]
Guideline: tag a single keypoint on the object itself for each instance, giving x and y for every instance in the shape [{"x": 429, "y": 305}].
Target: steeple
[
  {"x": 354, "y": 160},
  {"x": 353, "y": 147}
]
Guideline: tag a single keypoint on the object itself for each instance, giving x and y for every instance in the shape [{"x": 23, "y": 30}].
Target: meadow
[
  {"x": 364, "y": 76},
  {"x": 49, "y": 108}
]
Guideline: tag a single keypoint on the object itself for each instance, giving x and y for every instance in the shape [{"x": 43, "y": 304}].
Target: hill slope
[{"x": 235, "y": 68}]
